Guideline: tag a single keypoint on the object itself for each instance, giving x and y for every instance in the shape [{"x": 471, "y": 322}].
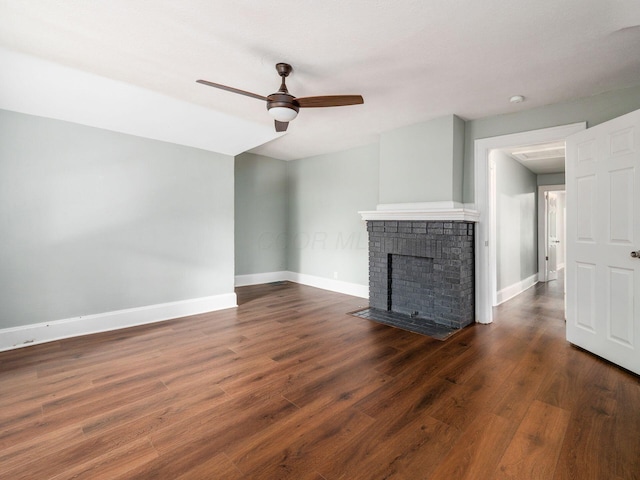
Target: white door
[
  {"x": 603, "y": 234},
  {"x": 552, "y": 236}
]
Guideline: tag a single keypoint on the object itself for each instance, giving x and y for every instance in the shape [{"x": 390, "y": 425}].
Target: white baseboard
[
  {"x": 339, "y": 286},
  {"x": 311, "y": 280},
  {"x": 260, "y": 278},
  {"x": 27, "y": 335},
  {"x": 23, "y": 336},
  {"x": 516, "y": 289}
]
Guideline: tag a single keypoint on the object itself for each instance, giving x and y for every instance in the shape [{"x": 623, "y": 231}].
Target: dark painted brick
[{"x": 428, "y": 267}]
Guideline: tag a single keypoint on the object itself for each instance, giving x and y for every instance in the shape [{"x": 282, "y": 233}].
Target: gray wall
[
  {"x": 459, "y": 129},
  {"x": 594, "y": 110},
  {"x": 326, "y": 234},
  {"x": 551, "y": 179},
  {"x": 261, "y": 214},
  {"x": 516, "y": 221},
  {"x": 93, "y": 221},
  {"x": 422, "y": 162}
]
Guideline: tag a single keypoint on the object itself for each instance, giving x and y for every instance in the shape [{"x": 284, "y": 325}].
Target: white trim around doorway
[{"x": 485, "y": 232}]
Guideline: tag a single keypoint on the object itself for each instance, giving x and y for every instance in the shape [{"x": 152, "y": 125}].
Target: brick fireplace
[{"x": 421, "y": 271}]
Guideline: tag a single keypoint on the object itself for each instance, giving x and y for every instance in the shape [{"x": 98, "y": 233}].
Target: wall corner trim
[
  {"x": 339, "y": 286},
  {"x": 323, "y": 283},
  {"x": 260, "y": 278},
  {"x": 27, "y": 335}
]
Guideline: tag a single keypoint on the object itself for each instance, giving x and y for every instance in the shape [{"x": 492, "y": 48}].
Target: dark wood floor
[{"x": 289, "y": 386}]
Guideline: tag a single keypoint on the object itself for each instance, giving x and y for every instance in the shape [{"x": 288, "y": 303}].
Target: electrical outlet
[{"x": 335, "y": 275}]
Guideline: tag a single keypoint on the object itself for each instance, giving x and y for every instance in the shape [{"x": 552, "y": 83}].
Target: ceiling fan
[{"x": 283, "y": 106}]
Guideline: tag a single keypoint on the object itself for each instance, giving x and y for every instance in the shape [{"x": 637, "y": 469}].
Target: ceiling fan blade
[
  {"x": 281, "y": 126},
  {"x": 231, "y": 89},
  {"x": 330, "y": 101}
]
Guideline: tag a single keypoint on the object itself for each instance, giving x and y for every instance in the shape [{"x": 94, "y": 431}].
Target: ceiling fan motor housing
[{"x": 284, "y": 100}]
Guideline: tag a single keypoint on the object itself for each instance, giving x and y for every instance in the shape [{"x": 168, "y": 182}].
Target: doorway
[
  {"x": 551, "y": 231},
  {"x": 486, "y": 278}
]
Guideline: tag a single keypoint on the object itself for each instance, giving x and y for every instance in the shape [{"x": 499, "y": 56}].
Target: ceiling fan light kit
[
  {"x": 283, "y": 114},
  {"x": 283, "y": 106}
]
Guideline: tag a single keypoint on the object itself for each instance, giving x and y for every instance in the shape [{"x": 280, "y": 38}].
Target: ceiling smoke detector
[{"x": 517, "y": 99}]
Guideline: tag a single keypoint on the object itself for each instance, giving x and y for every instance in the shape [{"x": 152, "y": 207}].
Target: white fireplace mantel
[{"x": 425, "y": 211}]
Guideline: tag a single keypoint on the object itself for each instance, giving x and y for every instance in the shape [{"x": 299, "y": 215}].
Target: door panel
[
  {"x": 621, "y": 208},
  {"x": 586, "y": 290},
  {"x": 586, "y": 192},
  {"x": 620, "y": 318},
  {"x": 603, "y": 228}
]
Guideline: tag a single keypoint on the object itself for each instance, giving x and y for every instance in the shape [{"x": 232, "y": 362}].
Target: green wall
[
  {"x": 327, "y": 236},
  {"x": 261, "y": 214},
  {"x": 95, "y": 221},
  {"x": 422, "y": 162},
  {"x": 516, "y": 221}
]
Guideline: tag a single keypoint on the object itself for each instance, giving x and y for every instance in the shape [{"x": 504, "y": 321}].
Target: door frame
[
  {"x": 542, "y": 227},
  {"x": 485, "y": 248}
]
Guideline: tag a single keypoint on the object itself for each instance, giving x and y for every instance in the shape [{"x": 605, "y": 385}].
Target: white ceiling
[
  {"x": 540, "y": 159},
  {"x": 412, "y": 60}
]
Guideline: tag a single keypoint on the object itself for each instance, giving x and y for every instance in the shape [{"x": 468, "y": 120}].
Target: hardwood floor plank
[
  {"x": 121, "y": 428},
  {"x": 362, "y": 343},
  {"x": 322, "y": 409},
  {"x": 217, "y": 467},
  {"x": 627, "y": 429},
  {"x": 478, "y": 449},
  {"x": 520, "y": 384},
  {"x": 418, "y": 351},
  {"x": 36, "y": 391},
  {"x": 583, "y": 440},
  {"x": 26, "y": 359},
  {"x": 534, "y": 451},
  {"x": 54, "y": 462},
  {"x": 219, "y": 427},
  {"x": 18, "y": 415},
  {"x": 273, "y": 379},
  {"x": 350, "y": 381},
  {"x": 114, "y": 463},
  {"x": 288, "y": 385},
  {"x": 35, "y": 443},
  {"x": 175, "y": 400},
  {"x": 220, "y": 371},
  {"x": 67, "y": 411},
  {"x": 302, "y": 450},
  {"x": 463, "y": 403},
  {"x": 383, "y": 450},
  {"x": 183, "y": 462},
  {"x": 593, "y": 419}
]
